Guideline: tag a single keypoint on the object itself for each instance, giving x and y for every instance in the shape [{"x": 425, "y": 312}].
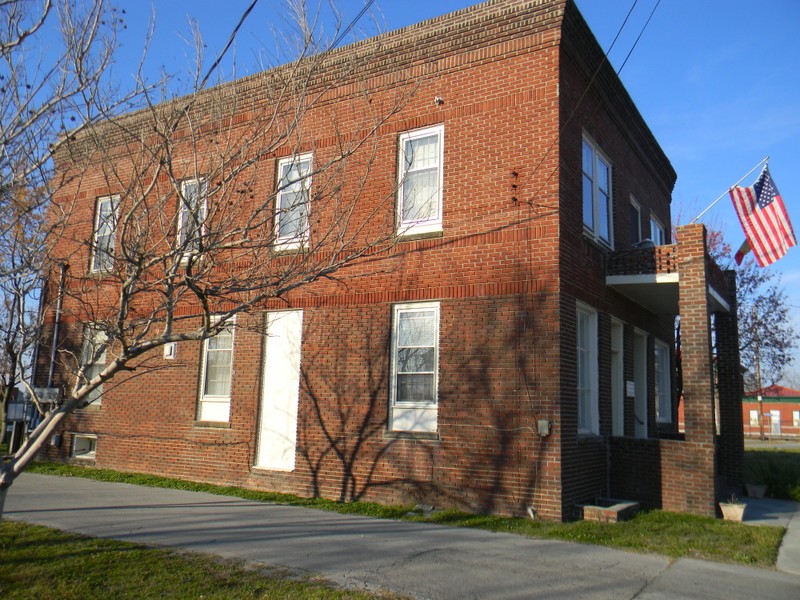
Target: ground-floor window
[
  {"x": 663, "y": 383},
  {"x": 84, "y": 446},
  {"x": 588, "y": 390},
  {"x": 414, "y": 367},
  {"x": 215, "y": 382}
]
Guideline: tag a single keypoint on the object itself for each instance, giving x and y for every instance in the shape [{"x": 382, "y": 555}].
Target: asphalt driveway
[{"x": 419, "y": 560}]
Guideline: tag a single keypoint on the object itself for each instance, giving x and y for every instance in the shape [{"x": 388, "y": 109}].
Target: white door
[
  {"x": 775, "y": 422},
  {"x": 277, "y": 432},
  {"x": 640, "y": 384}
]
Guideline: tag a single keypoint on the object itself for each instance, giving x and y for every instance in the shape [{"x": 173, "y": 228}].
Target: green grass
[
  {"x": 38, "y": 562},
  {"x": 779, "y": 470},
  {"x": 655, "y": 531}
]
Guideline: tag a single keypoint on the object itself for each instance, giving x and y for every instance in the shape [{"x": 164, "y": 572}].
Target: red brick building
[
  {"x": 779, "y": 408},
  {"x": 509, "y": 349}
]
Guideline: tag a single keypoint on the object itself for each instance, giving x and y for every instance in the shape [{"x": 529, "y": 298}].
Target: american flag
[{"x": 764, "y": 219}]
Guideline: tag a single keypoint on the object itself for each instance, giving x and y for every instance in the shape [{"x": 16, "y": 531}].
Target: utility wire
[
  {"x": 352, "y": 24},
  {"x": 214, "y": 66},
  {"x": 574, "y": 110},
  {"x": 244, "y": 16},
  {"x": 646, "y": 23}
]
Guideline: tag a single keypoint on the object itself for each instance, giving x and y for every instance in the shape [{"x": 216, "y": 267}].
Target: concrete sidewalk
[
  {"x": 779, "y": 513},
  {"x": 418, "y": 560}
]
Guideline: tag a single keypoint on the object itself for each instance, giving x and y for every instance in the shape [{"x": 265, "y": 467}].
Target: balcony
[{"x": 649, "y": 276}]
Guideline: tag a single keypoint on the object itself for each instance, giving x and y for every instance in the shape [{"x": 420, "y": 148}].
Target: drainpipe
[
  {"x": 39, "y": 323},
  {"x": 57, "y": 324}
]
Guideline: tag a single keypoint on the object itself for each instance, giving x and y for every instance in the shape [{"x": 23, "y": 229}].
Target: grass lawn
[
  {"x": 38, "y": 562},
  {"x": 655, "y": 531}
]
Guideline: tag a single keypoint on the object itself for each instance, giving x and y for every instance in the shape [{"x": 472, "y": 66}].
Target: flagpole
[{"x": 710, "y": 206}]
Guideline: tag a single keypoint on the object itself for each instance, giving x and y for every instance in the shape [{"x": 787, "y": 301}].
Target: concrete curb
[{"x": 789, "y": 552}]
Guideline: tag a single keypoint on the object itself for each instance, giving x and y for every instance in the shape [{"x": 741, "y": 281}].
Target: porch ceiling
[{"x": 658, "y": 293}]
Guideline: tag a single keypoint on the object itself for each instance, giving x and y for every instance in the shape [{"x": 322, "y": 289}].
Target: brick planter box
[{"x": 609, "y": 510}]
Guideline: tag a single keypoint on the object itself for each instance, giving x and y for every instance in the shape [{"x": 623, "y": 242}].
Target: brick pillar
[
  {"x": 696, "y": 471},
  {"x": 730, "y": 456}
]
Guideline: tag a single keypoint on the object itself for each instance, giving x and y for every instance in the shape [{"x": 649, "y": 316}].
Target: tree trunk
[{"x": 3, "y": 492}]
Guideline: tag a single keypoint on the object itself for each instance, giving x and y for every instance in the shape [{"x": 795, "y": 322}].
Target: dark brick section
[
  {"x": 730, "y": 392},
  {"x": 508, "y": 269}
]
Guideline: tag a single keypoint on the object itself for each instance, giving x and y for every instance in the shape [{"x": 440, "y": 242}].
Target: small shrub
[{"x": 779, "y": 471}]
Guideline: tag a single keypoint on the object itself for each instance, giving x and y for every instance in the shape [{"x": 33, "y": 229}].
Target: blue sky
[{"x": 718, "y": 82}]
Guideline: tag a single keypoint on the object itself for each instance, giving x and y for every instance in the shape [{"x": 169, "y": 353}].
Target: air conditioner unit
[{"x": 49, "y": 395}]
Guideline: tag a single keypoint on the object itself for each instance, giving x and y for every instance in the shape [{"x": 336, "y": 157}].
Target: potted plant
[{"x": 733, "y": 509}]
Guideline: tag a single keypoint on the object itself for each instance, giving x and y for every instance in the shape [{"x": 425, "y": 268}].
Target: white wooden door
[{"x": 277, "y": 432}]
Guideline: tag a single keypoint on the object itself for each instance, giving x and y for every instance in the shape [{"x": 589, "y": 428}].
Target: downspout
[
  {"x": 57, "y": 324},
  {"x": 39, "y": 322}
]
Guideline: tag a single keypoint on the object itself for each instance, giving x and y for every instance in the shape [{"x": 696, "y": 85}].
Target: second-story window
[
  {"x": 636, "y": 222},
  {"x": 596, "y": 194},
  {"x": 657, "y": 231},
  {"x": 105, "y": 226},
  {"x": 293, "y": 201},
  {"x": 419, "y": 207},
  {"x": 192, "y": 209}
]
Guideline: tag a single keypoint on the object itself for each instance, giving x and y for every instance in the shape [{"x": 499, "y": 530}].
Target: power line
[
  {"x": 214, "y": 66},
  {"x": 646, "y": 23},
  {"x": 352, "y": 24}
]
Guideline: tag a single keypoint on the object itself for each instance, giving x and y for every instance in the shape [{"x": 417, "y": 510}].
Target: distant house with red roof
[{"x": 779, "y": 409}]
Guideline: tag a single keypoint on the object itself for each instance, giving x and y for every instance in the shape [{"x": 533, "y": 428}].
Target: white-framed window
[
  {"x": 753, "y": 417},
  {"x": 104, "y": 237},
  {"x": 215, "y": 377},
  {"x": 796, "y": 418},
  {"x": 663, "y": 382},
  {"x": 93, "y": 359},
  {"x": 421, "y": 176},
  {"x": 636, "y": 221},
  {"x": 657, "y": 233},
  {"x": 292, "y": 202},
  {"x": 192, "y": 210},
  {"x": 596, "y": 193},
  {"x": 617, "y": 377},
  {"x": 415, "y": 366},
  {"x": 588, "y": 389},
  {"x": 84, "y": 446}
]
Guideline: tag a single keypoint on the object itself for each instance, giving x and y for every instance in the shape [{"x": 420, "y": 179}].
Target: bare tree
[
  {"x": 20, "y": 257},
  {"x": 49, "y": 88},
  {"x": 217, "y": 205},
  {"x": 54, "y": 59},
  {"x": 767, "y": 338}
]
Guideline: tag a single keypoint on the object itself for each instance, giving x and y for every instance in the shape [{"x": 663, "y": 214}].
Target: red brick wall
[
  {"x": 507, "y": 270},
  {"x": 786, "y": 410}
]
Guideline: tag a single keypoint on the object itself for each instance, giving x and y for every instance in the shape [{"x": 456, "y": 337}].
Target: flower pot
[
  {"x": 756, "y": 490},
  {"x": 732, "y": 511}
]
